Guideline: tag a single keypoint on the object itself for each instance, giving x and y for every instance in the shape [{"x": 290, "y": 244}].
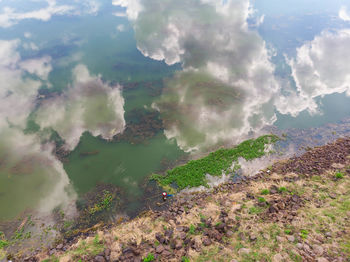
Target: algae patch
[{"x": 193, "y": 174}]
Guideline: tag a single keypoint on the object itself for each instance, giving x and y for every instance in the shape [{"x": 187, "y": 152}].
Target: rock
[
  {"x": 182, "y": 235},
  {"x": 277, "y": 258},
  {"x": 160, "y": 249},
  {"x": 180, "y": 228},
  {"x": 252, "y": 237},
  {"x": 332, "y": 195},
  {"x": 166, "y": 253},
  {"x": 52, "y": 251},
  {"x": 280, "y": 239},
  {"x": 273, "y": 189},
  {"x": 206, "y": 241},
  {"x": 107, "y": 252},
  {"x": 266, "y": 236},
  {"x": 178, "y": 244},
  {"x": 318, "y": 250},
  {"x": 242, "y": 236},
  {"x": 338, "y": 165},
  {"x": 328, "y": 234},
  {"x": 291, "y": 238},
  {"x": 321, "y": 259},
  {"x": 234, "y": 260},
  {"x": 60, "y": 246},
  {"x": 229, "y": 233},
  {"x": 244, "y": 251},
  {"x": 99, "y": 259},
  {"x": 299, "y": 245},
  {"x": 137, "y": 259}
]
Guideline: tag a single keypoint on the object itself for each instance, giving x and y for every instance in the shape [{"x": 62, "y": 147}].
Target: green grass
[
  {"x": 339, "y": 175},
  {"x": 304, "y": 233},
  {"x": 192, "y": 230},
  {"x": 149, "y": 258},
  {"x": 265, "y": 192},
  {"x": 193, "y": 173},
  {"x": 255, "y": 210},
  {"x": 282, "y": 189},
  {"x": 261, "y": 199}
]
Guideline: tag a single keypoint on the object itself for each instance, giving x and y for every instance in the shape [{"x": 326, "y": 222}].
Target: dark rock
[
  {"x": 273, "y": 189},
  {"x": 206, "y": 241},
  {"x": 182, "y": 235},
  {"x": 229, "y": 233},
  {"x": 99, "y": 259},
  {"x": 178, "y": 244},
  {"x": 252, "y": 237},
  {"x": 160, "y": 249}
]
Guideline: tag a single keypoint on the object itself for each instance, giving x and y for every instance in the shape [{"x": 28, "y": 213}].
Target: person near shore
[{"x": 165, "y": 195}]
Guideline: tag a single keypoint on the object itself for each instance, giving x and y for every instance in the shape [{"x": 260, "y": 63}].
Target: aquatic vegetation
[
  {"x": 193, "y": 173},
  {"x": 104, "y": 204}
]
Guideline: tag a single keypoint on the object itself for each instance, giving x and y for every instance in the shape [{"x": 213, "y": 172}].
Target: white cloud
[
  {"x": 27, "y": 35},
  {"x": 10, "y": 16},
  {"x": 121, "y": 28},
  {"x": 119, "y": 14},
  {"x": 88, "y": 105},
  {"x": 320, "y": 68},
  {"x": 40, "y": 67},
  {"x": 227, "y": 85},
  {"x": 344, "y": 14},
  {"x": 26, "y": 164},
  {"x": 134, "y": 7}
]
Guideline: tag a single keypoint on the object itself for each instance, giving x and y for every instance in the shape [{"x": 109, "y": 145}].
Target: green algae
[{"x": 193, "y": 173}]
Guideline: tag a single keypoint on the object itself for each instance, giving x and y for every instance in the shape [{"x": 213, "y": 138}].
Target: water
[{"x": 199, "y": 108}]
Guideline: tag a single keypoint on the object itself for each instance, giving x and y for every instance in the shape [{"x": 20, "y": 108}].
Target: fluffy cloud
[
  {"x": 321, "y": 67},
  {"x": 343, "y": 14},
  {"x": 227, "y": 84},
  {"x": 87, "y": 105},
  {"x": 16, "y": 89},
  {"x": 26, "y": 164},
  {"x": 40, "y": 67},
  {"x": 10, "y": 16},
  {"x": 30, "y": 168}
]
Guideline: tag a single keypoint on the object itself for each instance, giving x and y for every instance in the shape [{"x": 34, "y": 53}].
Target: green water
[
  {"x": 95, "y": 42},
  {"x": 121, "y": 163}
]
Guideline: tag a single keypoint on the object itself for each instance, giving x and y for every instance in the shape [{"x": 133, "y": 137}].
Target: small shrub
[
  {"x": 288, "y": 231},
  {"x": 339, "y": 175},
  {"x": 185, "y": 259},
  {"x": 192, "y": 230},
  {"x": 255, "y": 210},
  {"x": 261, "y": 199},
  {"x": 304, "y": 233},
  {"x": 265, "y": 192},
  {"x": 149, "y": 258},
  {"x": 282, "y": 189}
]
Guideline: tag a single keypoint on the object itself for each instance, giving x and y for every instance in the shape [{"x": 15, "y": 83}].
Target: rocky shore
[{"x": 295, "y": 210}]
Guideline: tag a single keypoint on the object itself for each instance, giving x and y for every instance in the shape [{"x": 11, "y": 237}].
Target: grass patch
[
  {"x": 265, "y": 192},
  {"x": 304, "y": 233},
  {"x": 255, "y": 210},
  {"x": 193, "y": 173},
  {"x": 339, "y": 175},
  {"x": 282, "y": 189},
  {"x": 149, "y": 258}
]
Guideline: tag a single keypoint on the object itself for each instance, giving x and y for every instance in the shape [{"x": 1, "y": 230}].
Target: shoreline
[{"x": 223, "y": 204}]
